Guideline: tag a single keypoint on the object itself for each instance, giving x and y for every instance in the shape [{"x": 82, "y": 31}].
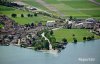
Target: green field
[
  {"x": 77, "y": 8},
  {"x": 8, "y": 11},
  {"x": 67, "y": 33},
  {"x": 97, "y": 0},
  {"x": 34, "y": 3}
]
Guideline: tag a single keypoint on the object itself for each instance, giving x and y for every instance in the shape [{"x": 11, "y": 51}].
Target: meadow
[
  {"x": 76, "y": 8},
  {"x": 9, "y": 10},
  {"x": 98, "y": 0},
  {"x": 68, "y": 34}
]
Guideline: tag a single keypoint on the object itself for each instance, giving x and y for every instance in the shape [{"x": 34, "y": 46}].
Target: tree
[
  {"x": 31, "y": 15},
  {"x": 22, "y": 15},
  {"x": 14, "y": 15},
  {"x": 35, "y": 14},
  {"x": 46, "y": 44},
  {"x": 51, "y": 32},
  {"x": 89, "y": 38},
  {"x": 70, "y": 18},
  {"x": 73, "y": 35},
  {"x": 28, "y": 15},
  {"x": 84, "y": 38},
  {"x": 75, "y": 40},
  {"x": 92, "y": 37},
  {"x": 32, "y": 25},
  {"x": 52, "y": 39},
  {"x": 64, "y": 41},
  {"x": 38, "y": 46}
]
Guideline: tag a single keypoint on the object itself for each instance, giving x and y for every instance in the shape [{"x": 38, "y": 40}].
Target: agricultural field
[
  {"x": 34, "y": 3},
  {"x": 97, "y": 0},
  {"x": 68, "y": 34},
  {"x": 77, "y": 8}
]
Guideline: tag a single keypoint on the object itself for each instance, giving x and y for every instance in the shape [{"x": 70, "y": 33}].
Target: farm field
[
  {"x": 77, "y": 8},
  {"x": 67, "y": 33},
  {"x": 34, "y": 3},
  {"x": 97, "y": 0}
]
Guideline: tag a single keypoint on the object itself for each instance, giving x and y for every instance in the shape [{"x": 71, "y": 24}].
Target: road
[
  {"x": 97, "y": 3},
  {"x": 49, "y": 6}
]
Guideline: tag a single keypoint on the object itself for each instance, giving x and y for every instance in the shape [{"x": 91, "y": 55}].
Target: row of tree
[
  {"x": 9, "y": 3},
  {"x": 88, "y": 38},
  {"x": 22, "y": 15}
]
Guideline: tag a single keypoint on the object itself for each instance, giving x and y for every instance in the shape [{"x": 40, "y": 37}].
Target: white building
[
  {"x": 79, "y": 25},
  {"x": 88, "y": 24},
  {"x": 50, "y": 23},
  {"x": 31, "y": 8}
]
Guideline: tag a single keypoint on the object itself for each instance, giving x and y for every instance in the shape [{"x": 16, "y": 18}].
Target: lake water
[{"x": 80, "y": 53}]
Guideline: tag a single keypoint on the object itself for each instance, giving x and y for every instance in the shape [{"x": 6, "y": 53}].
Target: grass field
[
  {"x": 8, "y": 11},
  {"x": 1, "y": 25},
  {"x": 34, "y": 3},
  {"x": 77, "y": 8},
  {"x": 97, "y": 0},
  {"x": 67, "y": 33}
]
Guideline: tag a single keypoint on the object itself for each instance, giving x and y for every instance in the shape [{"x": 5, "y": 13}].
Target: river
[{"x": 80, "y": 53}]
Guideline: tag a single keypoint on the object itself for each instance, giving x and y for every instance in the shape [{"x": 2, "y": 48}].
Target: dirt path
[
  {"x": 97, "y": 3},
  {"x": 50, "y": 46},
  {"x": 50, "y": 7}
]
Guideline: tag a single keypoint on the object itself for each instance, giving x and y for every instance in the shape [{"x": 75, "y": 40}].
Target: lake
[{"x": 80, "y": 53}]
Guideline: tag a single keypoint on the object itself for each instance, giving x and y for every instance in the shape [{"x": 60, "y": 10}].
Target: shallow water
[{"x": 80, "y": 53}]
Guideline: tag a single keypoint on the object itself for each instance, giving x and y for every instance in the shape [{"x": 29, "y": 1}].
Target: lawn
[
  {"x": 9, "y": 10},
  {"x": 77, "y": 8},
  {"x": 33, "y": 19},
  {"x": 1, "y": 25},
  {"x": 67, "y": 33},
  {"x": 3, "y": 8}
]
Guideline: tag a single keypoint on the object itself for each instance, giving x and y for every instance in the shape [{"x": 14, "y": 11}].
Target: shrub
[{"x": 14, "y": 15}]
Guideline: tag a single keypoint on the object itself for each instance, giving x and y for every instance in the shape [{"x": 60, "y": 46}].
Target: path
[
  {"x": 57, "y": 28},
  {"x": 50, "y": 46},
  {"x": 54, "y": 52},
  {"x": 50, "y": 7},
  {"x": 97, "y": 3}
]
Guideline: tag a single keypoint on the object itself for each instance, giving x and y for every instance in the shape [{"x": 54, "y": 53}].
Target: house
[
  {"x": 51, "y": 24},
  {"x": 79, "y": 25},
  {"x": 89, "y": 23},
  {"x": 97, "y": 27},
  {"x": 90, "y": 20},
  {"x": 31, "y": 8}
]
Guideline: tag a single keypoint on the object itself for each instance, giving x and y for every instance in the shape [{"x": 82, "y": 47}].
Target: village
[
  {"x": 40, "y": 37},
  {"x": 28, "y": 35}
]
